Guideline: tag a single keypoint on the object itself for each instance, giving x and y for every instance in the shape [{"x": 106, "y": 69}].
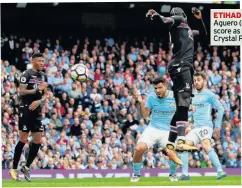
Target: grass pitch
[{"x": 102, "y": 182}]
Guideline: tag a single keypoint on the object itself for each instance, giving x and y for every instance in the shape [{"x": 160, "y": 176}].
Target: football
[{"x": 79, "y": 72}]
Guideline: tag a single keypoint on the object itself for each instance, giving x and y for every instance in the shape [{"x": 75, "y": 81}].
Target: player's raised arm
[
  {"x": 177, "y": 16},
  {"x": 202, "y": 28},
  {"x": 152, "y": 13},
  {"x": 144, "y": 110}
]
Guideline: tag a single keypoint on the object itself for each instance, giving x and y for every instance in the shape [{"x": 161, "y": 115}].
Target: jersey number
[
  {"x": 203, "y": 132},
  {"x": 190, "y": 35}
]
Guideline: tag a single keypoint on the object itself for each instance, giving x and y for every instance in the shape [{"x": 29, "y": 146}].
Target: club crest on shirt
[{"x": 172, "y": 105}]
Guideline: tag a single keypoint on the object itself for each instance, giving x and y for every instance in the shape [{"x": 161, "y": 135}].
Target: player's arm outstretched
[{"x": 152, "y": 13}]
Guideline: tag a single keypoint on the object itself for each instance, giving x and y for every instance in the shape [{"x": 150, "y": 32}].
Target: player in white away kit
[
  {"x": 202, "y": 131},
  {"x": 161, "y": 104}
]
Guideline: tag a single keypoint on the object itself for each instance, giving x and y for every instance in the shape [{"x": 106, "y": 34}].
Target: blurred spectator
[{"x": 6, "y": 161}]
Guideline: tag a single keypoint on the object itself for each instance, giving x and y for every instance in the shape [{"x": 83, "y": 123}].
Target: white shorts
[
  {"x": 196, "y": 135},
  {"x": 152, "y": 136}
]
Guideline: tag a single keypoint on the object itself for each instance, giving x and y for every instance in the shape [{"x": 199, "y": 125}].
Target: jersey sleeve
[
  {"x": 148, "y": 103},
  {"x": 24, "y": 79},
  {"x": 216, "y": 103},
  {"x": 46, "y": 77},
  {"x": 177, "y": 20}
]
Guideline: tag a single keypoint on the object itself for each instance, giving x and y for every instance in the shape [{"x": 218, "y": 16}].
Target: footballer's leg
[
  {"x": 162, "y": 140},
  {"x": 170, "y": 146},
  {"x": 182, "y": 93},
  {"x": 33, "y": 151},
  {"x": 23, "y": 135},
  {"x": 172, "y": 173},
  {"x": 206, "y": 134},
  {"x": 145, "y": 142},
  {"x": 17, "y": 154},
  {"x": 140, "y": 149},
  {"x": 191, "y": 139},
  {"x": 184, "y": 158}
]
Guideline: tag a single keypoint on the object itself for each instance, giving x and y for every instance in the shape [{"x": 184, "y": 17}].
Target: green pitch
[{"x": 97, "y": 182}]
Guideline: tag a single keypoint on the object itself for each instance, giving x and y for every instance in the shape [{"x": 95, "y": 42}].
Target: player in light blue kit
[
  {"x": 161, "y": 104},
  {"x": 202, "y": 131}
]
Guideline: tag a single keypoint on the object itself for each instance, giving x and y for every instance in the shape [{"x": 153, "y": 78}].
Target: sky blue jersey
[
  {"x": 162, "y": 110},
  {"x": 204, "y": 101}
]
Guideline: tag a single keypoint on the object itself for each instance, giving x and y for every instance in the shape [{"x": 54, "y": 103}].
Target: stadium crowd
[{"x": 95, "y": 125}]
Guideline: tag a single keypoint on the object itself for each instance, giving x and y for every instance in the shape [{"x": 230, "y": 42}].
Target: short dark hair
[
  {"x": 202, "y": 74},
  {"x": 36, "y": 55},
  {"x": 158, "y": 80}
]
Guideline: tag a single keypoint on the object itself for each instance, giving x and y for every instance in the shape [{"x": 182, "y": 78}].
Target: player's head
[
  {"x": 200, "y": 80},
  {"x": 177, "y": 11},
  {"x": 160, "y": 86},
  {"x": 37, "y": 61}
]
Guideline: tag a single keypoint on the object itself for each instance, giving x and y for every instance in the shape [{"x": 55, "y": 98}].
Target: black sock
[
  {"x": 17, "y": 154},
  {"x": 172, "y": 134},
  {"x": 181, "y": 121},
  {"x": 33, "y": 151}
]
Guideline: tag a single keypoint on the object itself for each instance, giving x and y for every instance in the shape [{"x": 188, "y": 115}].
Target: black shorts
[
  {"x": 29, "y": 120},
  {"x": 182, "y": 78}
]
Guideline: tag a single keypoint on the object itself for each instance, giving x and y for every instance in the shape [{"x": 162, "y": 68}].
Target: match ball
[{"x": 79, "y": 72}]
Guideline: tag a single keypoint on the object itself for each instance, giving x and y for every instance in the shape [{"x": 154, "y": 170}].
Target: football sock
[
  {"x": 17, "y": 154},
  {"x": 172, "y": 137},
  {"x": 173, "y": 166},
  {"x": 184, "y": 159},
  {"x": 136, "y": 168},
  {"x": 181, "y": 130},
  {"x": 33, "y": 151},
  {"x": 214, "y": 159}
]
